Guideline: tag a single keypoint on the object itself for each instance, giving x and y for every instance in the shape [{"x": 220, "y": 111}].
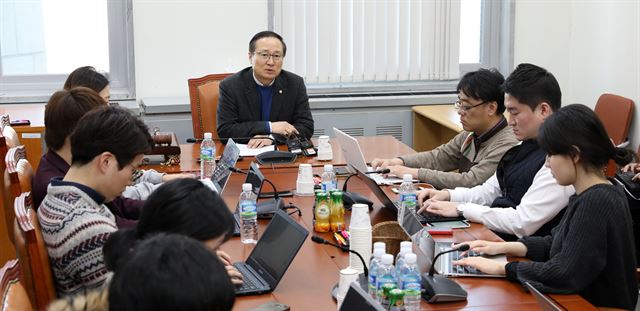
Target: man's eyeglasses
[
  {"x": 458, "y": 105},
  {"x": 264, "y": 56}
]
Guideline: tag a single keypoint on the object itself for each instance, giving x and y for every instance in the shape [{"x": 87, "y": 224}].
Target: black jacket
[{"x": 239, "y": 105}]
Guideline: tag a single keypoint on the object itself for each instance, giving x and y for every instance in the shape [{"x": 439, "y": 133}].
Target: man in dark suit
[{"x": 263, "y": 99}]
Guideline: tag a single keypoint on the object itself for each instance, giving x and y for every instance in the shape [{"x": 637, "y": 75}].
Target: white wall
[
  {"x": 592, "y": 47},
  {"x": 175, "y": 40}
]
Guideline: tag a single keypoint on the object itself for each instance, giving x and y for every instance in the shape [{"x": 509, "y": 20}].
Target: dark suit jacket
[{"x": 239, "y": 105}]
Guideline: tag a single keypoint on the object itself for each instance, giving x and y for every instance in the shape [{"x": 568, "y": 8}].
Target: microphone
[
  {"x": 382, "y": 171},
  {"x": 462, "y": 248},
  {"x": 320, "y": 240},
  {"x": 438, "y": 288},
  {"x": 237, "y": 170}
]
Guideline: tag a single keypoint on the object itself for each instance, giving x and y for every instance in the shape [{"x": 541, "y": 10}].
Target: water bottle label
[
  {"x": 247, "y": 209},
  {"x": 206, "y": 154},
  {"x": 326, "y": 186},
  {"x": 406, "y": 197},
  {"x": 372, "y": 280},
  {"x": 411, "y": 285}
]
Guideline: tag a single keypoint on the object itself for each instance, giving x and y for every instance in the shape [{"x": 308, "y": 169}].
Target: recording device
[
  {"x": 438, "y": 288},
  {"x": 301, "y": 145},
  {"x": 19, "y": 122},
  {"x": 382, "y": 171},
  {"x": 320, "y": 240}
]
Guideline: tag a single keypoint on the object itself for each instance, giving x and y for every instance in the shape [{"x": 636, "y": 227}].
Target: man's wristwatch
[{"x": 460, "y": 211}]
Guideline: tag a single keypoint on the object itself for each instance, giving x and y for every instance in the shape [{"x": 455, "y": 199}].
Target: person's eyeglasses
[
  {"x": 264, "y": 56},
  {"x": 458, "y": 105}
]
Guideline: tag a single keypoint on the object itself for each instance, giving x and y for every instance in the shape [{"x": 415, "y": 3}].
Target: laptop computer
[
  {"x": 544, "y": 301},
  {"x": 272, "y": 255},
  {"x": 392, "y": 205},
  {"x": 443, "y": 265},
  {"x": 357, "y": 299},
  {"x": 355, "y": 159},
  {"x": 228, "y": 159}
]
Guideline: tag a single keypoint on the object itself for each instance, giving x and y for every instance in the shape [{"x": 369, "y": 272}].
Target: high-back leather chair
[
  {"x": 615, "y": 112},
  {"x": 17, "y": 179},
  {"x": 204, "y": 93},
  {"x": 36, "y": 272},
  {"x": 12, "y": 294}
]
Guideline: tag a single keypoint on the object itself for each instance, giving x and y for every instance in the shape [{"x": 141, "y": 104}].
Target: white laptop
[{"x": 355, "y": 159}]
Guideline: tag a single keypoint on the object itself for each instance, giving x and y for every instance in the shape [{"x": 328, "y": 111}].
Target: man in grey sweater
[{"x": 472, "y": 156}]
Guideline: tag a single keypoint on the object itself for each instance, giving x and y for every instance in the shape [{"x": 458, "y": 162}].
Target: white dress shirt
[{"x": 544, "y": 199}]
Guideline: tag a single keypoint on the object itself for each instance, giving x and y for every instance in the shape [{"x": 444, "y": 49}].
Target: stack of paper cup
[
  {"x": 325, "y": 153},
  {"x": 347, "y": 276},
  {"x": 360, "y": 240},
  {"x": 304, "y": 184}
]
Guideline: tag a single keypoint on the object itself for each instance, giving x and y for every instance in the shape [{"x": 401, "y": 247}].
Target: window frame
[
  {"x": 496, "y": 50},
  {"x": 38, "y": 88}
]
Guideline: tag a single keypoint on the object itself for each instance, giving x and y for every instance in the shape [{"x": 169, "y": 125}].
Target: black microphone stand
[{"x": 438, "y": 288}]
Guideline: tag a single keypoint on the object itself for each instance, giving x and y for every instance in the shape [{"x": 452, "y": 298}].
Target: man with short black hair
[
  {"x": 263, "y": 99},
  {"x": 472, "y": 156},
  {"x": 107, "y": 147},
  {"x": 522, "y": 198}
]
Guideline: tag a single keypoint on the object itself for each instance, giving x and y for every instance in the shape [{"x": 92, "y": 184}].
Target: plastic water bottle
[
  {"x": 400, "y": 259},
  {"x": 207, "y": 156},
  {"x": 386, "y": 278},
  {"x": 381, "y": 245},
  {"x": 407, "y": 195},
  {"x": 248, "y": 216},
  {"x": 410, "y": 279},
  {"x": 373, "y": 270},
  {"x": 329, "y": 180}
]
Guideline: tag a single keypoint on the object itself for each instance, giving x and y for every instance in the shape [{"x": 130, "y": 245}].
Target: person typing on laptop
[
  {"x": 471, "y": 157},
  {"x": 182, "y": 206},
  {"x": 521, "y": 198},
  {"x": 591, "y": 252}
]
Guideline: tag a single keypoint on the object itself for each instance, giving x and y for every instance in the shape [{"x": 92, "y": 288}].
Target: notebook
[
  {"x": 393, "y": 205},
  {"x": 272, "y": 255},
  {"x": 545, "y": 302},
  {"x": 357, "y": 299},
  {"x": 228, "y": 159},
  {"x": 355, "y": 159},
  {"x": 444, "y": 266}
]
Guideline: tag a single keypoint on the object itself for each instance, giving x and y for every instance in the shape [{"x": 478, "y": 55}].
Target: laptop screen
[
  {"x": 255, "y": 178},
  {"x": 277, "y": 247},
  {"x": 228, "y": 159}
]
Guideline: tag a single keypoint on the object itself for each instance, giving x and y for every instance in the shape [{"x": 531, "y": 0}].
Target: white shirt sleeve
[{"x": 544, "y": 199}]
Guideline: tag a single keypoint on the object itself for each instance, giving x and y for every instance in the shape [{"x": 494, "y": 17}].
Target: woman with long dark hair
[{"x": 591, "y": 252}]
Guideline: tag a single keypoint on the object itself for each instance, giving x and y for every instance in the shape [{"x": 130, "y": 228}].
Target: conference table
[{"x": 308, "y": 282}]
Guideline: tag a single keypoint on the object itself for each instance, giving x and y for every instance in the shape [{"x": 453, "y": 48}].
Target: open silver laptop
[
  {"x": 444, "y": 265},
  {"x": 355, "y": 159}
]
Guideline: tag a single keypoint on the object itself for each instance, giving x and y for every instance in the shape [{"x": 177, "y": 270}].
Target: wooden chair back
[
  {"x": 14, "y": 296},
  {"x": 203, "y": 94},
  {"x": 18, "y": 176},
  {"x": 36, "y": 275}
]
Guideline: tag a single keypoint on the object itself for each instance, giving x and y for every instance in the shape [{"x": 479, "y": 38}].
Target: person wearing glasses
[
  {"x": 522, "y": 198},
  {"x": 263, "y": 100},
  {"x": 471, "y": 157},
  {"x": 107, "y": 146}
]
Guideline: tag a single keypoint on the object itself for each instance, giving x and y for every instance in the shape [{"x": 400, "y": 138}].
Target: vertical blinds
[{"x": 336, "y": 41}]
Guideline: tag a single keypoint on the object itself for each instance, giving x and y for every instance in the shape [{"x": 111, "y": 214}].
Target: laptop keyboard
[
  {"x": 457, "y": 255},
  {"x": 249, "y": 281}
]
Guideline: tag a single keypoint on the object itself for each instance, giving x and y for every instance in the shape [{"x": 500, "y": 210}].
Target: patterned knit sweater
[
  {"x": 590, "y": 252},
  {"x": 75, "y": 225}
]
